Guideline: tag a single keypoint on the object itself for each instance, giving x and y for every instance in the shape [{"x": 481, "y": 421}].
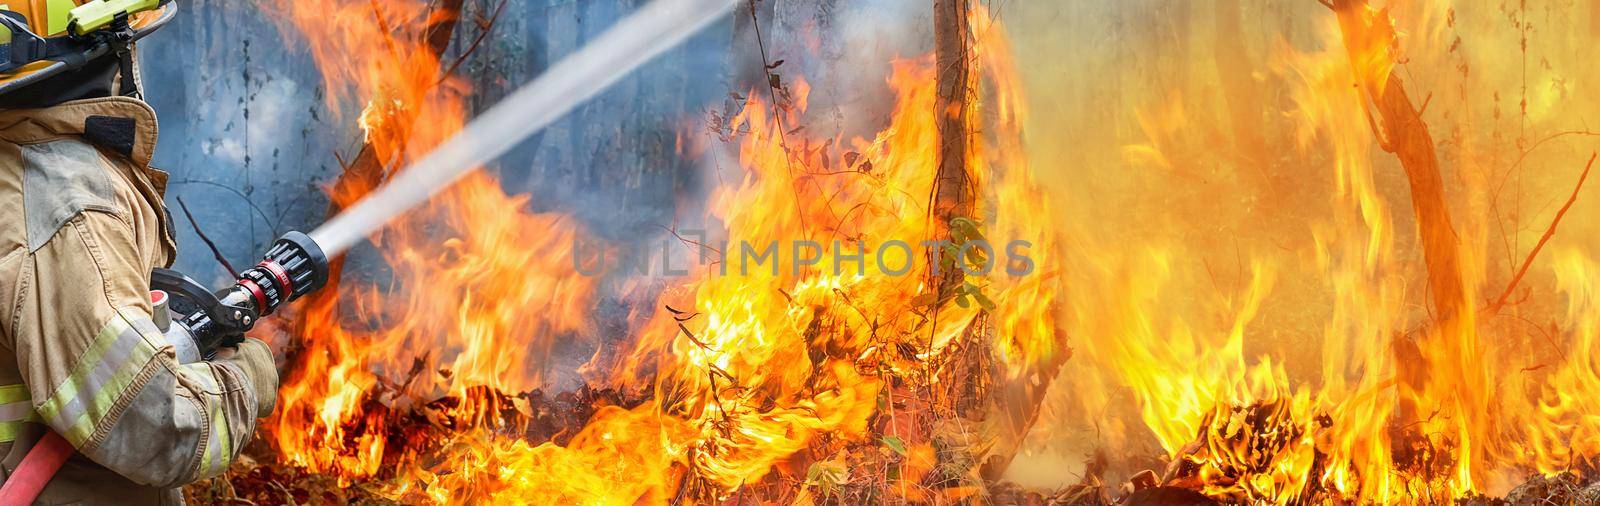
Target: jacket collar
[{"x": 119, "y": 124}]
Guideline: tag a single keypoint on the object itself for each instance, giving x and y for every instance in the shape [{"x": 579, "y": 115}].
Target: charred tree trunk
[{"x": 1005, "y": 404}]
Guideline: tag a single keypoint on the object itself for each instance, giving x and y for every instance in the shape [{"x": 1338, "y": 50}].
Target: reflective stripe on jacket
[
  {"x": 16, "y": 412},
  {"x": 81, "y": 227}
]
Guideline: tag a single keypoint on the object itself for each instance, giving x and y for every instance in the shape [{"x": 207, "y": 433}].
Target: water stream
[{"x": 643, "y": 35}]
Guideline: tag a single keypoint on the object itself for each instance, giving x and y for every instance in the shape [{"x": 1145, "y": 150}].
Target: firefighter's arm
[{"x": 105, "y": 378}]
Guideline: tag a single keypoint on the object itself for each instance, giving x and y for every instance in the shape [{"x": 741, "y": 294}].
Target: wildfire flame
[
  {"x": 751, "y": 372},
  {"x": 743, "y": 377},
  {"x": 1409, "y": 406}
]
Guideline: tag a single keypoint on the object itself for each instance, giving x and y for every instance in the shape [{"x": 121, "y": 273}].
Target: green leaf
[
  {"x": 827, "y": 476},
  {"x": 961, "y": 300},
  {"x": 951, "y": 252},
  {"x": 896, "y": 444},
  {"x": 983, "y": 301},
  {"x": 964, "y": 230}
]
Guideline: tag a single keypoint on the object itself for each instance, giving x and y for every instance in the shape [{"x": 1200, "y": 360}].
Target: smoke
[
  {"x": 843, "y": 51},
  {"x": 644, "y": 34},
  {"x": 273, "y": 111},
  {"x": 846, "y": 53}
]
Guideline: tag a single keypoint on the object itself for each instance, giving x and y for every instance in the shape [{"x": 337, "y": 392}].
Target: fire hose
[{"x": 297, "y": 263}]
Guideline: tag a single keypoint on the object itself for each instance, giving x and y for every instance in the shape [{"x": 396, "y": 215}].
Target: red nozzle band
[
  {"x": 255, "y": 291},
  {"x": 281, "y": 275}
]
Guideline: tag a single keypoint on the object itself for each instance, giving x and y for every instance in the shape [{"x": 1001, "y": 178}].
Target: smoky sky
[{"x": 249, "y": 139}]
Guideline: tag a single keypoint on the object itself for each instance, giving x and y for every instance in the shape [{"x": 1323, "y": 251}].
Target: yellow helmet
[{"x": 43, "y": 38}]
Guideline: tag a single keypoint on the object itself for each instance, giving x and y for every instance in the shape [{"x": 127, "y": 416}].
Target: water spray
[
  {"x": 297, "y": 264},
  {"x": 579, "y": 77}
]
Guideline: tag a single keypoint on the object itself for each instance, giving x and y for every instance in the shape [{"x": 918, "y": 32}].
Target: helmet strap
[
  {"x": 119, "y": 35},
  {"x": 127, "y": 70}
]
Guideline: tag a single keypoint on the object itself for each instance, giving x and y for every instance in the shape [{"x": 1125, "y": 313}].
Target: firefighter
[{"x": 82, "y": 225}]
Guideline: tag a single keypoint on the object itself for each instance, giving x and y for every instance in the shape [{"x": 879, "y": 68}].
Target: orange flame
[
  {"x": 756, "y": 370},
  {"x": 1249, "y": 430},
  {"x": 746, "y": 376}
]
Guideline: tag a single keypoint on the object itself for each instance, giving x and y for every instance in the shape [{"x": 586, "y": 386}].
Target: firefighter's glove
[{"x": 255, "y": 358}]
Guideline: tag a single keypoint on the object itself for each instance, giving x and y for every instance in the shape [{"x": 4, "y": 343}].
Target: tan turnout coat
[{"x": 81, "y": 227}]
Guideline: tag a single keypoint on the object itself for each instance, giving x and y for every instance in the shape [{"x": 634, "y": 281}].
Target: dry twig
[
  {"x": 217, "y": 253},
  {"x": 1545, "y": 238},
  {"x": 484, "y": 29}
]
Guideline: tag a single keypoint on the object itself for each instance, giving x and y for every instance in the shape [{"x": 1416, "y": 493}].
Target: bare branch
[
  {"x": 215, "y": 252},
  {"x": 483, "y": 32},
  {"x": 1546, "y": 238}
]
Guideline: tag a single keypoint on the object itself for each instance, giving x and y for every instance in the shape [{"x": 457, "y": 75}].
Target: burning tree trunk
[
  {"x": 1406, "y": 135},
  {"x": 952, "y": 189},
  {"x": 952, "y": 36},
  {"x": 366, "y": 172},
  {"x": 1370, "y": 40},
  {"x": 1003, "y": 404}
]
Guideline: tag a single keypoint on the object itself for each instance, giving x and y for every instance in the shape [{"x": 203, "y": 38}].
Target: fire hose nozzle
[{"x": 293, "y": 267}]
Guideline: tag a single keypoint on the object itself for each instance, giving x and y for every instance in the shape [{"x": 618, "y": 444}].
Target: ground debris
[
  {"x": 1168, "y": 496},
  {"x": 258, "y": 478},
  {"x": 1562, "y": 489},
  {"x": 919, "y": 458}
]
